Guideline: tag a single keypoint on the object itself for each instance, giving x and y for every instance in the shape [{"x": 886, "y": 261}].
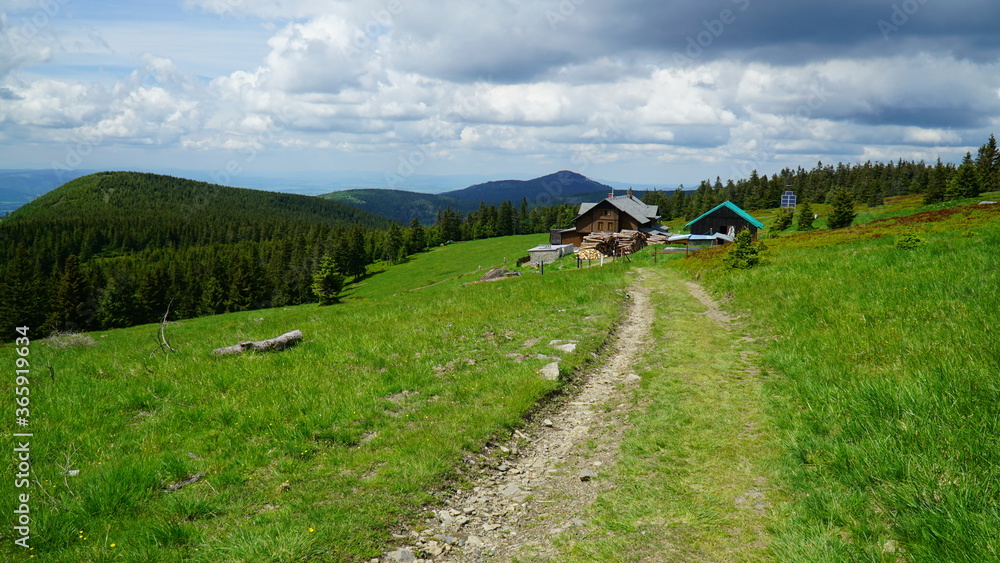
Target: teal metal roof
[{"x": 732, "y": 207}]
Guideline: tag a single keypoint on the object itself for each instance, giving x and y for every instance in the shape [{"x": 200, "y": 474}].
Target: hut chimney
[{"x": 630, "y": 193}]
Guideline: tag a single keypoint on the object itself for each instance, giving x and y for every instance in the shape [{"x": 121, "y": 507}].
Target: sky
[{"x": 389, "y": 92}]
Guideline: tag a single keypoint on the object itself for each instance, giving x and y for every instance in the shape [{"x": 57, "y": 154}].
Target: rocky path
[{"x": 546, "y": 476}]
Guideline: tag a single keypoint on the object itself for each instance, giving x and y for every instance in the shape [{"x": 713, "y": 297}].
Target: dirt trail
[
  {"x": 541, "y": 483},
  {"x": 553, "y": 473}
]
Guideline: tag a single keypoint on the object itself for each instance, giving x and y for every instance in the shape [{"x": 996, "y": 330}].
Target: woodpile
[
  {"x": 657, "y": 239},
  {"x": 613, "y": 244}
]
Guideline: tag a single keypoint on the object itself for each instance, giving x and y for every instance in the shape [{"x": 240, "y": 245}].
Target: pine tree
[
  {"x": 842, "y": 214},
  {"x": 416, "y": 237},
  {"x": 392, "y": 247},
  {"x": 966, "y": 182},
  {"x": 744, "y": 254},
  {"x": 783, "y": 220},
  {"x": 988, "y": 164},
  {"x": 806, "y": 216},
  {"x": 327, "y": 281},
  {"x": 70, "y": 298},
  {"x": 937, "y": 183},
  {"x": 505, "y": 219}
]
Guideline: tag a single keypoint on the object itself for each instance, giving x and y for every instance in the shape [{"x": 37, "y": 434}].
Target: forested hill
[
  {"x": 544, "y": 190},
  {"x": 153, "y": 206},
  {"x": 116, "y": 248},
  {"x": 403, "y": 206}
]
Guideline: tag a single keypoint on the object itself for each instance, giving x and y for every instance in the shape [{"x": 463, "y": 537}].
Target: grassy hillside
[
  {"x": 884, "y": 378},
  {"x": 143, "y": 242},
  {"x": 315, "y": 452}
]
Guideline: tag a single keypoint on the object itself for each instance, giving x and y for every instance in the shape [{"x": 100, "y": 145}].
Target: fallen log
[{"x": 286, "y": 340}]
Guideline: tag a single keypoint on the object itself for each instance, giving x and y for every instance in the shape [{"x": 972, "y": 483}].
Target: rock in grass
[
  {"x": 587, "y": 475},
  {"x": 550, "y": 371}
]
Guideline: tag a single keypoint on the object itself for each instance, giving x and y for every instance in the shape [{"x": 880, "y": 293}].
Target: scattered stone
[
  {"x": 632, "y": 378},
  {"x": 402, "y": 556},
  {"x": 474, "y": 541},
  {"x": 587, "y": 475},
  {"x": 514, "y": 493},
  {"x": 490, "y": 527},
  {"x": 579, "y": 522},
  {"x": 434, "y": 549},
  {"x": 563, "y": 345},
  {"x": 550, "y": 371},
  {"x": 503, "y": 467},
  {"x": 547, "y": 422}
]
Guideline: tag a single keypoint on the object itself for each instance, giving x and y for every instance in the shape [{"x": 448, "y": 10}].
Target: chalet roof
[
  {"x": 732, "y": 207},
  {"x": 627, "y": 204}
]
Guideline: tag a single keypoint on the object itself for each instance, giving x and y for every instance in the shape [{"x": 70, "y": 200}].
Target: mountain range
[{"x": 561, "y": 187}]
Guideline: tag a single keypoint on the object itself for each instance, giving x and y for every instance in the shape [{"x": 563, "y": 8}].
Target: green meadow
[
  {"x": 883, "y": 372},
  {"x": 319, "y": 451},
  {"x": 866, "y": 368}
]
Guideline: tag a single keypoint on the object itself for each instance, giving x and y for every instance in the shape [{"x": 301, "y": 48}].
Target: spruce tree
[
  {"x": 805, "y": 216},
  {"x": 966, "y": 182},
  {"x": 70, "y": 295},
  {"x": 842, "y": 214},
  {"x": 392, "y": 246},
  {"x": 416, "y": 237},
  {"x": 988, "y": 165},
  {"x": 783, "y": 219},
  {"x": 327, "y": 281},
  {"x": 744, "y": 254},
  {"x": 937, "y": 184}
]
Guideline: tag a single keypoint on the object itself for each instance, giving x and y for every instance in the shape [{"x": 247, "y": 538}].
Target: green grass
[
  {"x": 698, "y": 452},
  {"x": 316, "y": 452},
  {"x": 874, "y": 425},
  {"x": 890, "y": 387}
]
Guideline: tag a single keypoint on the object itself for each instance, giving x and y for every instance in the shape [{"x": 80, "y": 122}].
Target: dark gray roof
[{"x": 629, "y": 205}]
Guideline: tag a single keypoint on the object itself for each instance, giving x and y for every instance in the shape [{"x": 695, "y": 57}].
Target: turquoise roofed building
[{"x": 726, "y": 219}]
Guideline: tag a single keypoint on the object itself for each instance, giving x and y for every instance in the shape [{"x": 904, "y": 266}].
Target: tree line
[
  {"x": 868, "y": 183},
  {"x": 119, "y": 249}
]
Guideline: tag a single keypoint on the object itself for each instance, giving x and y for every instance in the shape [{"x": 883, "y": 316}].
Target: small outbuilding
[
  {"x": 549, "y": 253},
  {"x": 726, "y": 218}
]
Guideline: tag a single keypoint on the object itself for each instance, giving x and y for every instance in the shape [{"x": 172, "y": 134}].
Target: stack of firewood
[
  {"x": 630, "y": 241},
  {"x": 614, "y": 244},
  {"x": 657, "y": 239}
]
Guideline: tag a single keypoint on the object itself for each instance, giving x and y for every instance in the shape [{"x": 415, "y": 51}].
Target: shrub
[
  {"x": 784, "y": 219},
  {"x": 744, "y": 254},
  {"x": 909, "y": 241}
]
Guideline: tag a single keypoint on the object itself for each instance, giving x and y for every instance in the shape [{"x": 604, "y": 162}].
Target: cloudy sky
[{"x": 646, "y": 91}]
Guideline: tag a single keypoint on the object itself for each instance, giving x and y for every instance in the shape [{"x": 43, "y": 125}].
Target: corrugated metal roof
[
  {"x": 732, "y": 207},
  {"x": 626, "y": 204}
]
